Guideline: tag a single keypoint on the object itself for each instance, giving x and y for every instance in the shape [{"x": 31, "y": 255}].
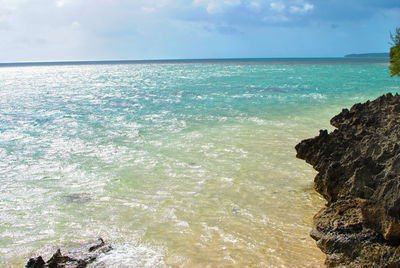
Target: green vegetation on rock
[{"x": 395, "y": 54}]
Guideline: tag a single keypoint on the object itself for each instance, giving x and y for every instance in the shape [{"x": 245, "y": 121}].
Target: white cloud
[
  {"x": 72, "y": 28},
  {"x": 75, "y": 25},
  {"x": 60, "y": 3},
  {"x": 301, "y": 9},
  {"x": 11, "y": 4},
  {"x": 216, "y": 6},
  {"x": 277, "y": 6},
  {"x": 255, "y": 6}
]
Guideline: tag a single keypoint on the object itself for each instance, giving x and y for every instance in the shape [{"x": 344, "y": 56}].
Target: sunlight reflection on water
[{"x": 175, "y": 164}]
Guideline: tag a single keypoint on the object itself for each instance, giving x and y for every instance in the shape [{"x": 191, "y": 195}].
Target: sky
[{"x": 59, "y": 30}]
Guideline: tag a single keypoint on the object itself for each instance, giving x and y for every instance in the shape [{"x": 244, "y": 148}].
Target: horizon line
[{"x": 188, "y": 60}]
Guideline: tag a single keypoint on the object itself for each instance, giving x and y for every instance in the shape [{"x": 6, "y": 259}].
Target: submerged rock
[
  {"x": 76, "y": 258},
  {"x": 358, "y": 168},
  {"x": 77, "y": 198}
]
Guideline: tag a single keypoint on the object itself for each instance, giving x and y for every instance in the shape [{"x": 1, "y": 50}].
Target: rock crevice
[{"x": 358, "y": 168}]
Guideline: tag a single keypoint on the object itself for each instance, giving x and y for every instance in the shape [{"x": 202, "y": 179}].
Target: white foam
[{"x": 130, "y": 256}]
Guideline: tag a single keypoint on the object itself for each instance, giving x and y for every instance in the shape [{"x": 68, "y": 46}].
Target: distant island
[{"x": 368, "y": 55}]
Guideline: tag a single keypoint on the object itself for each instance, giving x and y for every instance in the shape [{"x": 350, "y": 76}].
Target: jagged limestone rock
[{"x": 358, "y": 168}]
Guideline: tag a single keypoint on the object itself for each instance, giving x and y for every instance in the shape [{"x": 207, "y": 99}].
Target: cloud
[
  {"x": 304, "y": 8},
  {"x": 74, "y": 28},
  {"x": 277, "y": 6},
  {"x": 61, "y": 3},
  {"x": 284, "y": 12},
  {"x": 247, "y": 13},
  {"x": 75, "y": 25},
  {"x": 255, "y": 6},
  {"x": 356, "y": 10},
  {"x": 11, "y": 4},
  {"x": 216, "y": 6}
]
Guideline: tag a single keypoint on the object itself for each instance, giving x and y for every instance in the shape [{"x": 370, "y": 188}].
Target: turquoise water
[{"x": 175, "y": 164}]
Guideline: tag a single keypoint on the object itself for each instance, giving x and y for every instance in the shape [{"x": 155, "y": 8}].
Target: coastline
[{"x": 359, "y": 172}]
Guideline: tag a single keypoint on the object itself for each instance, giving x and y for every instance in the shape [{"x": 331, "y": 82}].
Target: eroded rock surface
[
  {"x": 76, "y": 258},
  {"x": 358, "y": 168}
]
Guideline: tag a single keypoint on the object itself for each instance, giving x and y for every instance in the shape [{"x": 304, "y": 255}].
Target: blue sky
[{"x": 43, "y": 30}]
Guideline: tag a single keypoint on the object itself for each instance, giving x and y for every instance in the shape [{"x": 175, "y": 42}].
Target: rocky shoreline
[
  {"x": 76, "y": 258},
  {"x": 358, "y": 168}
]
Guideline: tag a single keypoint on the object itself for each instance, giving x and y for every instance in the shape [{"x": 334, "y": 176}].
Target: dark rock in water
[
  {"x": 76, "y": 258},
  {"x": 78, "y": 198},
  {"x": 358, "y": 168},
  {"x": 235, "y": 210},
  {"x": 35, "y": 263},
  {"x": 98, "y": 244}
]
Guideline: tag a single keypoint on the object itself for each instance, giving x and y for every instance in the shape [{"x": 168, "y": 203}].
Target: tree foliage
[{"x": 395, "y": 54}]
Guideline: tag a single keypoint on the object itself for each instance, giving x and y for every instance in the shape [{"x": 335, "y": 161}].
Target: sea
[{"x": 182, "y": 163}]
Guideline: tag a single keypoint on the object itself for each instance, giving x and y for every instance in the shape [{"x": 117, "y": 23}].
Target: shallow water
[{"x": 183, "y": 164}]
